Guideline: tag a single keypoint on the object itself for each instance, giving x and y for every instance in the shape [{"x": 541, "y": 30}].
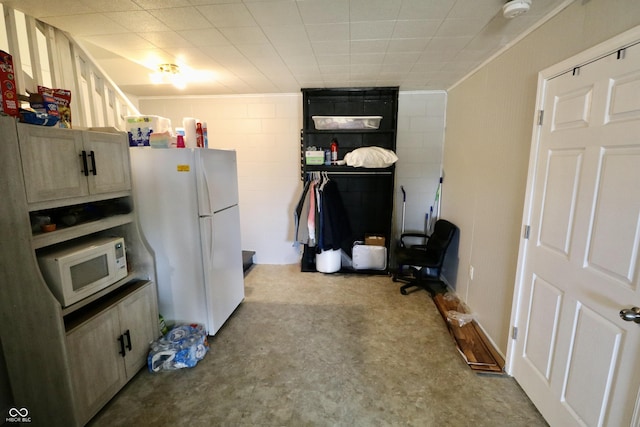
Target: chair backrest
[{"x": 438, "y": 242}]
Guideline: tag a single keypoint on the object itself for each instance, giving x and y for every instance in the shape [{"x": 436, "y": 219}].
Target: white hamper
[
  {"x": 369, "y": 257},
  {"x": 328, "y": 261}
]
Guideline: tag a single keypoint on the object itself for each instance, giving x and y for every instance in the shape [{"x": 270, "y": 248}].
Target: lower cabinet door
[
  {"x": 97, "y": 370},
  {"x": 137, "y": 325}
]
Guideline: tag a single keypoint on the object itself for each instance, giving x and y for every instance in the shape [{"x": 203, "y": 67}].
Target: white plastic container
[
  {"x": 140, "y": 127},
  {"x": 369, "y": 257},
  {"x": 328, "y": 261},
  {"x": 346, "y": 122}
]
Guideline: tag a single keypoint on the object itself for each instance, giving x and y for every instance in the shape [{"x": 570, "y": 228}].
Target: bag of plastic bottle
[{"x": 182, "y": 347}]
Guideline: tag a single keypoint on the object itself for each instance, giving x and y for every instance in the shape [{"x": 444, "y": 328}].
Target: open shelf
[{"x": 41, "y": 240}]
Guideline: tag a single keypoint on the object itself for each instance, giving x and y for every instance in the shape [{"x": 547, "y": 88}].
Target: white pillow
[{"x": 371, "y": 157}]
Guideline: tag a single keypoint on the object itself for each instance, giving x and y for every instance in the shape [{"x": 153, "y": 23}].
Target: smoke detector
[{"x": 514, "y": 8}]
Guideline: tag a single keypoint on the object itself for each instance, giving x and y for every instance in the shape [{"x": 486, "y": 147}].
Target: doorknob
[{"x": 630, "y": 314}]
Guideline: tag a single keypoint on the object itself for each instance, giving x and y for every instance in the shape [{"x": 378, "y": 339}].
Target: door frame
[{"x": 603, "y": 49}]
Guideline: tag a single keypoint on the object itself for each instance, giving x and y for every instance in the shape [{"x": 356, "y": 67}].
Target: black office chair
[{"x": 424, "y": 260}]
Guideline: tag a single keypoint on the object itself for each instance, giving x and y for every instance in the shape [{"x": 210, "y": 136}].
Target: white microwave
[{"x": 78, "y": 270}]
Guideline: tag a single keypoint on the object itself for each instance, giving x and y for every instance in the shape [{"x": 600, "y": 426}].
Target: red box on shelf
[{"x": 9, "y": 93}]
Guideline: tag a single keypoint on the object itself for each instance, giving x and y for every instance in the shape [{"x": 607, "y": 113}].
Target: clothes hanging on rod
[{"x": 320, "y": 217}]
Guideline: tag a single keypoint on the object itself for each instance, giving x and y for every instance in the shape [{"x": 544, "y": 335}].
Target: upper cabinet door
[
  {"x": 52, "y": 163},
  {"x": 67, "y": 163},
  {"x": 108, "y": 162}
]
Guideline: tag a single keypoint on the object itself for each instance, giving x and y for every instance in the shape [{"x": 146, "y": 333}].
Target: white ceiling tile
[
  {"x": 162, "y": 4},
  {"x": 205, "y": 37},
  {"x": 165, "y": 39},
  {"x": 109, "y": 6},
  {"x": 327, "y": 32},
  {"x": 412, "y": 29},
  {"x": 324, "y": 12},
  {"x": 295, "y": 49},
  {"x": 425, "y": 9},
  {"x": 40, "y": 9},
  {"x": 121, "y": 41},
  {"x": 460, "y": 27},
  {"x": 255, "y": 51},
  {"x": 208, "y": 2},
  {"x": 440, "y": 44},
  {"x": 181, "y": 18},
  {"x": 367, "y": 59},
  {"x": 228, "y": 15},
  {"x": 285, "y": 34},
  {"x": 331, "y": 48},
  {"x": 374, "y": 10},
  {"x": 478, "y": 9},
  {"x": 241, "y": 35},
  {"x": 224, "y": 54},
  {"x": 334, "y": 69},
  {"x": 138, "y": 21},
  {"x": 407, "y": 45},
  {"x": 275, "y": 13},
  {"x": 87, "y": 25},
  {"x": 372, "y": 30},
  {"x": 363, "y": 70},
  {"x": 324, "y": 60},
  {"x": 369, "y": 46},
  {"x": 401, "y": 58}
]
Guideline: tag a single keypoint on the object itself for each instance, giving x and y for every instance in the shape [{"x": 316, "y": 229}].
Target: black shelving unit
[{"x": 366, "y": 193}]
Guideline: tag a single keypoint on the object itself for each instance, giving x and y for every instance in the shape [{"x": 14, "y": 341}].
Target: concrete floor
[{"x": 309, "y": 349}]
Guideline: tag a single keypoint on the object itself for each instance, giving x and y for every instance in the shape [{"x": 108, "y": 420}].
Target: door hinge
[
  {"x": 540, "y": 117},
  {"x": 622, "y": 53},
  {"x": 514, "y": 333},
  {"x": 527, "y": 230}
]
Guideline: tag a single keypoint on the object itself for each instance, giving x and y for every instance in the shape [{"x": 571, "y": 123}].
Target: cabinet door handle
[
  {"x": 128, "y": 335},
  {"x": 85, "y": 169},
  {"x": 122, "y": 351},
  {"x": 93, "y": 162}
]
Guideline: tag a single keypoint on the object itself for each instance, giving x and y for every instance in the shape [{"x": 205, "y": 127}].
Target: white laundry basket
[{"x": 328, "y": 261}]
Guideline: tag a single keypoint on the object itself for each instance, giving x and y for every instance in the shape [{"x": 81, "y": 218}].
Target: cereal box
[
  {"x": 62, "y": 98},
  {"x": 9, "y": 93},
  {"x": 43, "y": 104}
]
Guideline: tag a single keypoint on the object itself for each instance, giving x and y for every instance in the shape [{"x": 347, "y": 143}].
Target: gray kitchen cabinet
[
  {"x": 108, "y": 349},
  {"x": 64, "y": 362},
  {"x": 60, "y": 164}
]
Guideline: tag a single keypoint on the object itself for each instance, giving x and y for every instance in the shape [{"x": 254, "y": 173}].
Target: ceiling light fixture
[
  {"x": 169, "y": 73},
  {"x": 514, "y": 8}
]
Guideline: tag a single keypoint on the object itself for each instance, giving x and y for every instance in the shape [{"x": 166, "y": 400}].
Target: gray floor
[{"x": 309, "y": 349}]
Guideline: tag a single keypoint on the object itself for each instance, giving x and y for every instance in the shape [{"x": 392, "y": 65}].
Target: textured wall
[{"x": 490, "y": 118}]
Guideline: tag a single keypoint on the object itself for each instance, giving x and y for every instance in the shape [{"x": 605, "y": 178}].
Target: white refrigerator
[{"x": 187, "y": 201}]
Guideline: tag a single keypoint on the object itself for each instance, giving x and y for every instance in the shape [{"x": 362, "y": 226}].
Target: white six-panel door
[{"x": 575, "y": 357}]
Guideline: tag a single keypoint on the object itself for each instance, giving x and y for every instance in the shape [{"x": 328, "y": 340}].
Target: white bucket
[{"x": 328, "y": 261}]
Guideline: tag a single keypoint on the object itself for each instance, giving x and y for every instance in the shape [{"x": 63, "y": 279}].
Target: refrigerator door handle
[{"x": 205, "y": 192}]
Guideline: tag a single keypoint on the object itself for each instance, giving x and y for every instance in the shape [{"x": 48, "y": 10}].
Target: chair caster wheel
[{"x": 403, "y": 292}]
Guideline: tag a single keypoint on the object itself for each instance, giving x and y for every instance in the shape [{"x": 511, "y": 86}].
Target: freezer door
[
  {"x": 222, "y": 255},
  {"x": 217, "y": 180}
]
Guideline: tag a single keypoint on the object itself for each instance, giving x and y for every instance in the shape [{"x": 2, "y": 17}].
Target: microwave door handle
[
  {"x": 122, "y": 351},
  {"x": 128, "y": 335}
]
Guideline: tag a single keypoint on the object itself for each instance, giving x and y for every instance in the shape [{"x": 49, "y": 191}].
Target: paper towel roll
[{"x": 189, "y": 125}]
